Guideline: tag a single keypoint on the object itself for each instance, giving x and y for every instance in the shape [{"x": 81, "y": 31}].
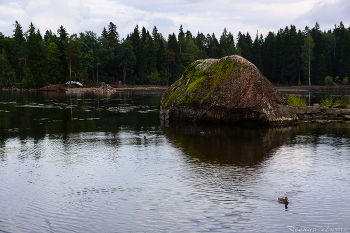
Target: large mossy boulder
[{"x": 230, "y": 89}]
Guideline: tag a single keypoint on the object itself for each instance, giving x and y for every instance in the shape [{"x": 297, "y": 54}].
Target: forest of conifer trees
[{"x": 288, "y": 57}]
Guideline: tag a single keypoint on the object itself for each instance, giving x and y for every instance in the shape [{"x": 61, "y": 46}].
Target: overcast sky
[{"x": 205, "y": 16}]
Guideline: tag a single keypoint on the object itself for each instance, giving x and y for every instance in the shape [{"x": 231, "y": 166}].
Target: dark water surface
[{"x": 66, "y": 167}]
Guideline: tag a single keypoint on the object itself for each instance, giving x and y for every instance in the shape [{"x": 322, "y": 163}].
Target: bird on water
[{"x": 283, "y": 200}]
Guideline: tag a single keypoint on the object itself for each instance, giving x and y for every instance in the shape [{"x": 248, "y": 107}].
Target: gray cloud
[
  {"x": 328, "y": 14},
  {"x": 205, "y": 16}
]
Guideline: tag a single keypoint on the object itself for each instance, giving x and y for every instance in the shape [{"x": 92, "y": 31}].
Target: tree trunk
[
  {"x": 97, "y": 73},
  {"x": 70, "y": 70},
  {"x": 309, "y": 70},
  {"x": 124, "y": 74}
]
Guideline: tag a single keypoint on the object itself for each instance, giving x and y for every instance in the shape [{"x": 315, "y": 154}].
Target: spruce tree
[
  {"x": 344, "y": 62},
  {"x": 73, "y": 57},
  {"x": 322, "y": 70},
  {"x": 54, "y": 66},
  {"x": 20, "y": 51},
  {"x": 256, "y": 54},
  {"x": 62, "y": 36},
  {"x": 127, "y": 58},
  {"x": 36, "y": 56}
]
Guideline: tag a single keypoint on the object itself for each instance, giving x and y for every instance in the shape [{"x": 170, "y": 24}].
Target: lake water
[{"x": 67, "y": 167}]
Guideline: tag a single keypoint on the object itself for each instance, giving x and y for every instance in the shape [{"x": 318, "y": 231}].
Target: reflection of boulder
[
  {"x": 227, "y": 144},
  {"x": 230, "y": 89}
]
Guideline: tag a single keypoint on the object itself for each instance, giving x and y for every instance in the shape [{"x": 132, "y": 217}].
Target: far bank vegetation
[{"x": 290, "y": 56}]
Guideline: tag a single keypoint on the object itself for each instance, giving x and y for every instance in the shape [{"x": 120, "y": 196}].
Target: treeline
[{"x": 286, "y": 57}]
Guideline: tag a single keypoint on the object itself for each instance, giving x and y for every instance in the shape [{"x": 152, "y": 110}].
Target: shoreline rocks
[{"x": 316, "y": 112}]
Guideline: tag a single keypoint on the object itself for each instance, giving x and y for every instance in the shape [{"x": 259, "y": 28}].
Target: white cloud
[{"x": 204, "y": 16}]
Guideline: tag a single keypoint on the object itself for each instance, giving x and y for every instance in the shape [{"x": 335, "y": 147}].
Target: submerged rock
[{"x": 230, "y": 89}]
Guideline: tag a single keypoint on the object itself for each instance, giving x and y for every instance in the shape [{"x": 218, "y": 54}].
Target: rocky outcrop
[
  {"x": 316, "y": 112},
  {"x": 52, "y": 87},
  {"x": 230, "y": 89}
]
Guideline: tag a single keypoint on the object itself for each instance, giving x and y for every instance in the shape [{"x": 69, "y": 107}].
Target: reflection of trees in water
[
  {"x": 37, "y": 114},
  {"x": 240, "y": 145}
]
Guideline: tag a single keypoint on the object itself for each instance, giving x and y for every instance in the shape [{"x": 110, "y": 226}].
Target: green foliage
[
  {"x": 345, "y": 81},
  {"x": 328, "y": 81},
  {"x": 54, "y": 63},
  {"x": 74, "y": 57},
  {"x": 343, "y": 101},
  {"x": 293, "y": 100},
  {"x": 7, "y": 74},
  {"x": 28, "y": 80},
  {"x": 154, "y": 78},
  {"x": 337, "y": 79},
  {"x": 126, "y": 57},
  {"x": 322, "y": 70},
  {"x": 327, "y": 102},
  {"x": 308, "y": 55},
  {"x": 286, "y": 56}
]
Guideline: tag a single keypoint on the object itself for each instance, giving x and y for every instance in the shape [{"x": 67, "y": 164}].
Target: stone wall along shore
[{"x": 316, "y": 112}]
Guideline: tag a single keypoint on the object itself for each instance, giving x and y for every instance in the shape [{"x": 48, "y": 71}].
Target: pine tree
[
  {"x": 322, "y": 70},
  {"x": 73, "y": 57},
  {"x": 344, "y": 62},
  {"x": 200, "y": 41},
  {"x": 215, "y": 47},
  {"x": 245, "y": 43},
  {"x": 181, "y": 40},
  {"x": 104, "y": 33},
  {"x": 48, "y": 35},
  {"x": 20, "y": 51},
  {"x": 54, "y": 63},
  {"x": 127, "y": 58},
  {"x": 62, "y": 36},
  {"x": 7, "y": 74},
  {"x": 151, "y": 52},
  {"x": 155, "y": 34},
  {"x": 162, "y": 62},
  {"x": 36, "y": 56},
  {"x": 267, "y": 56},
  {"x": 256, "y": 54},
  {"x": 113, "y": 37},
  {"x": 316, "y": 35}
]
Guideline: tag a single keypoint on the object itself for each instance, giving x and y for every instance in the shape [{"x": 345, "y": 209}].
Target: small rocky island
[{"x": 230, "y": 89}]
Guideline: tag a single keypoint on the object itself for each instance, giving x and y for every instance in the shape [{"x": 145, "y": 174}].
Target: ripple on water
[{"x": 116, "y": 180}]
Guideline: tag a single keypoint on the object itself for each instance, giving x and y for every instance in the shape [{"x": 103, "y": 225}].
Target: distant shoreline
[
  {"x": 127, "y": 88},
  {"x": 130, "y": 88},
  {"x": 313, "y": 89},
  {"x": 94, "y": 89}
]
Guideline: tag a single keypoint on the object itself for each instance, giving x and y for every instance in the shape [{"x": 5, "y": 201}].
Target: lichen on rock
[{"x": 230, "y": 89}]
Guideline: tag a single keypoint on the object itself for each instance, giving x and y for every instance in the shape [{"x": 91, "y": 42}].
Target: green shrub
[
  {"x": 344, "y": 100},
  {"x": 345, "y": 81},
  {"x": 337, "y": 79},
  {"x": 327, "y": 102},
  {"x": 293, "y": 100},
  {"x": 154, "y": 78},
  {"x": 328, "y": 81}
]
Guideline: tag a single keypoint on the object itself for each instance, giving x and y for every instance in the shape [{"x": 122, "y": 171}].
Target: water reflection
[
  {"x": 32, "y": 115},
  {"x": 96, "y": 172},
  {"x": 233, "y": 144}
]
